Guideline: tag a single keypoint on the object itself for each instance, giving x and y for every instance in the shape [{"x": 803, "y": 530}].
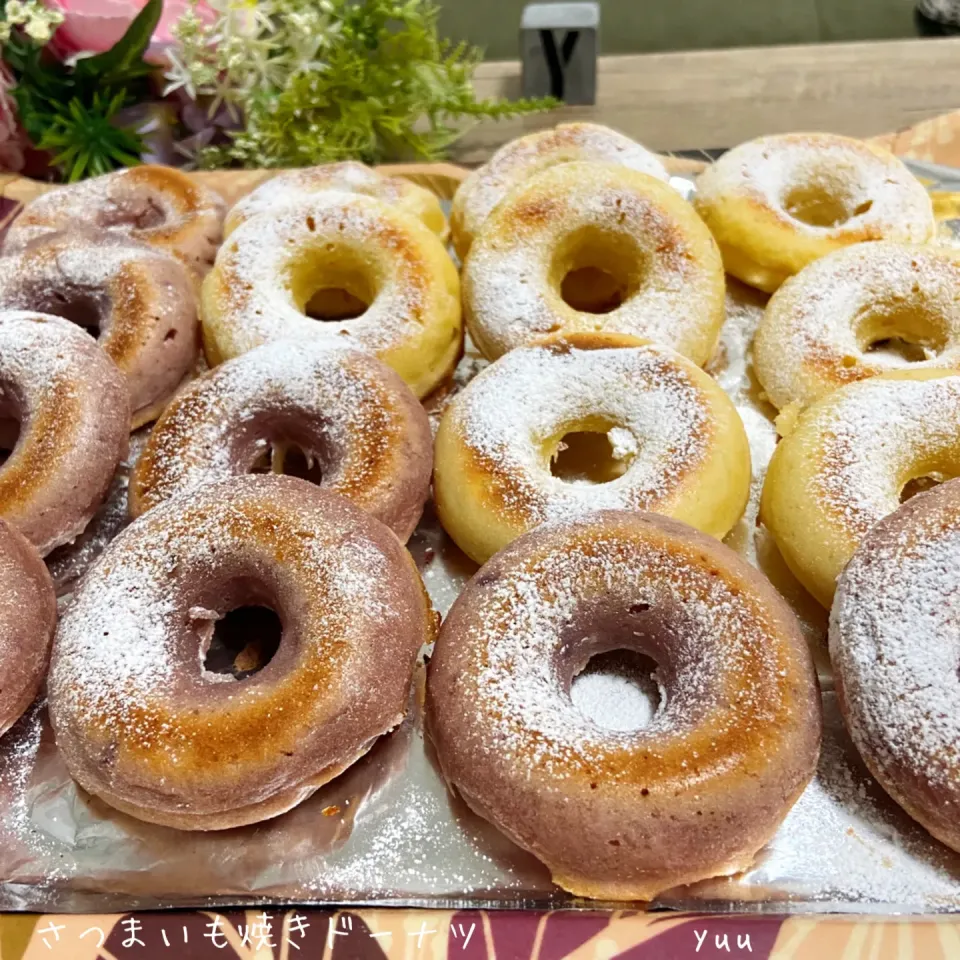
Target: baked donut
[
  {"x": 72, "y": 409},
  {"x": 894, "y": 652},
  {"x": 139, "y": 302},
  {"x": 292, "y": 187},
  {"x": 819, "y": 327},
  {"x": 676, "y": 443},
  {"x": 28, "y": 615},
  {"x": 527, "y": 156},
  {"x": 777, "y": 203},
  {"x": 158, "y": 205},
  {"x": 267, "y": 273},
  {"x": 625, "y": 814},
  {"x": 344, "y": 409},
  {"x": 143, "y": 724},
  {"x": 846, "y": 462},
  {"x": 660, "y": 274}
]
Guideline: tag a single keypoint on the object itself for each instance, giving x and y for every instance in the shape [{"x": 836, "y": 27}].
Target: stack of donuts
[{"x": 249, "y": 387}]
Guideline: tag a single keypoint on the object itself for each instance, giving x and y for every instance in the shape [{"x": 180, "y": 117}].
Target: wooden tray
[{"x": 442, "y": 178}]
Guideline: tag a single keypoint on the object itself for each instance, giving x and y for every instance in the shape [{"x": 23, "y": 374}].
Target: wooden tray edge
[{"x": 441, "y": 178}]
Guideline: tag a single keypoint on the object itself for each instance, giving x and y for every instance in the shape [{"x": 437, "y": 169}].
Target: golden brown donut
[
  {"x": 140, "y": 303},
  {"x": 844, "y": 463},
  {"x": 158, "y": 205},
  {"x": 619, "y": 814},
  {"x": 270, "y": 269},
  {"x": 73, "y": 411},
  {"x": 527, "y": 156},
  {"x": 28, "y": 615},
  {"x": 777, "y": 203},
  {"x": 141, "y": 723},
  {"x": 819, "y": 329},
  {"x": 348, "y": 413},
  {"x": 628, "y": 227},
  {"x": 674, "y": 433},
  {"x": 893, "y": 644}
]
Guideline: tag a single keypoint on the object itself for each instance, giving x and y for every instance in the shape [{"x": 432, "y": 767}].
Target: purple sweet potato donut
[
  {"x": 349, "y": 413},
  {"x": 73, "y": 409},
  {"x": 137, "y": 300},
  {"x": 625, "y": 814},
  {"x": 143, "y": 724},
  {"x": 28, "y": 615}
]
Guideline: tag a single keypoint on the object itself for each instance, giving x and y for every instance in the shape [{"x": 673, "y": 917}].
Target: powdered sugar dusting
[
  {"x": 118, "y": 643},
  {"x": 510, "y": 295},
  {"x": 407, "y": 844},
  {"x": 82, "y": 259},
  {"x": 520, "y": 159},
  {"x": 878, "y": 193},
  {"x": 318, "y": 382},
  {"x": 872, "y": 436},
  {"x": 895, "y": 640},
  {"x": 293, "y": 187},
  {"x": 519, "y": 691},
  {"x": 38, "y": 356},
  {"x": 25, "y": 840},
  {"x": 114, "y": 643},
  {"x": 811, "y": 338},
  {"x": 251, "y": 284},
  {"x": 614, "y": 702},
  {"x": 512, "y": 412},
  {"x": 117, "y": 201},
  {"x": 96, "y": 266}
]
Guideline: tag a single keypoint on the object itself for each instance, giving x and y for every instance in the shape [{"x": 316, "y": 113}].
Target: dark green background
[{"x": 638, "y": 26}]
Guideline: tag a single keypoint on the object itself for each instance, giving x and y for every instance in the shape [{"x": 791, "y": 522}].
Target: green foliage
[
  {"x": 337, "y": 79},
  {"x": 84, "y": 141},
  {"x": 70, "y": 110}
]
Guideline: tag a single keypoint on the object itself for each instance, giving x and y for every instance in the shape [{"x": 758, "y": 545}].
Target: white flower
[
  {"x": 39, "y": 30},
  {"x": 16, "y": 11}
]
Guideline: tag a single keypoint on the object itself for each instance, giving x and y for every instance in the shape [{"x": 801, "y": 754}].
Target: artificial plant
[{"x": 329, "y": 80}]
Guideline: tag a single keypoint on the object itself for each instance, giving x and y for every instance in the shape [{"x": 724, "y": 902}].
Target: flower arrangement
[{"x": 91, "y": 85}]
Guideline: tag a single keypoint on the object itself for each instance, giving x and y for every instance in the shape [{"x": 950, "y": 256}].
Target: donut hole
[
  {"x": 331, "y": 284},
  {"x": 899, "y": 349},
  {"x": 921, "y": 484},
  {"x": 9, "y": 435},
  {"x": 592, "y": 290},
  {"x": 334, "y": 304},
  {"x": 294, "y": 461},
  {"x": 824, "y": 202},
  {"x": 617, "y": 690},
  {"x": 78, "y": 306},
  {"x": 900, "y": 334},
  {"x": 264, "y": 460},
  {"x": 243, "y": 642},
  {"x": 597, "y": 452},
  {"x": 281, "y": 454},
  {"x": 597, "y": 272}
]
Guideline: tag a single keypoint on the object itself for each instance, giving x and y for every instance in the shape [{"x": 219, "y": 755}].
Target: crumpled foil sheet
[{"x": 388, "y": 832}]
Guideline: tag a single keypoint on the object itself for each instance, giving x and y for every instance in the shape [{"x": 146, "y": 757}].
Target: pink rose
[{"x": 96, "y": 25}]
